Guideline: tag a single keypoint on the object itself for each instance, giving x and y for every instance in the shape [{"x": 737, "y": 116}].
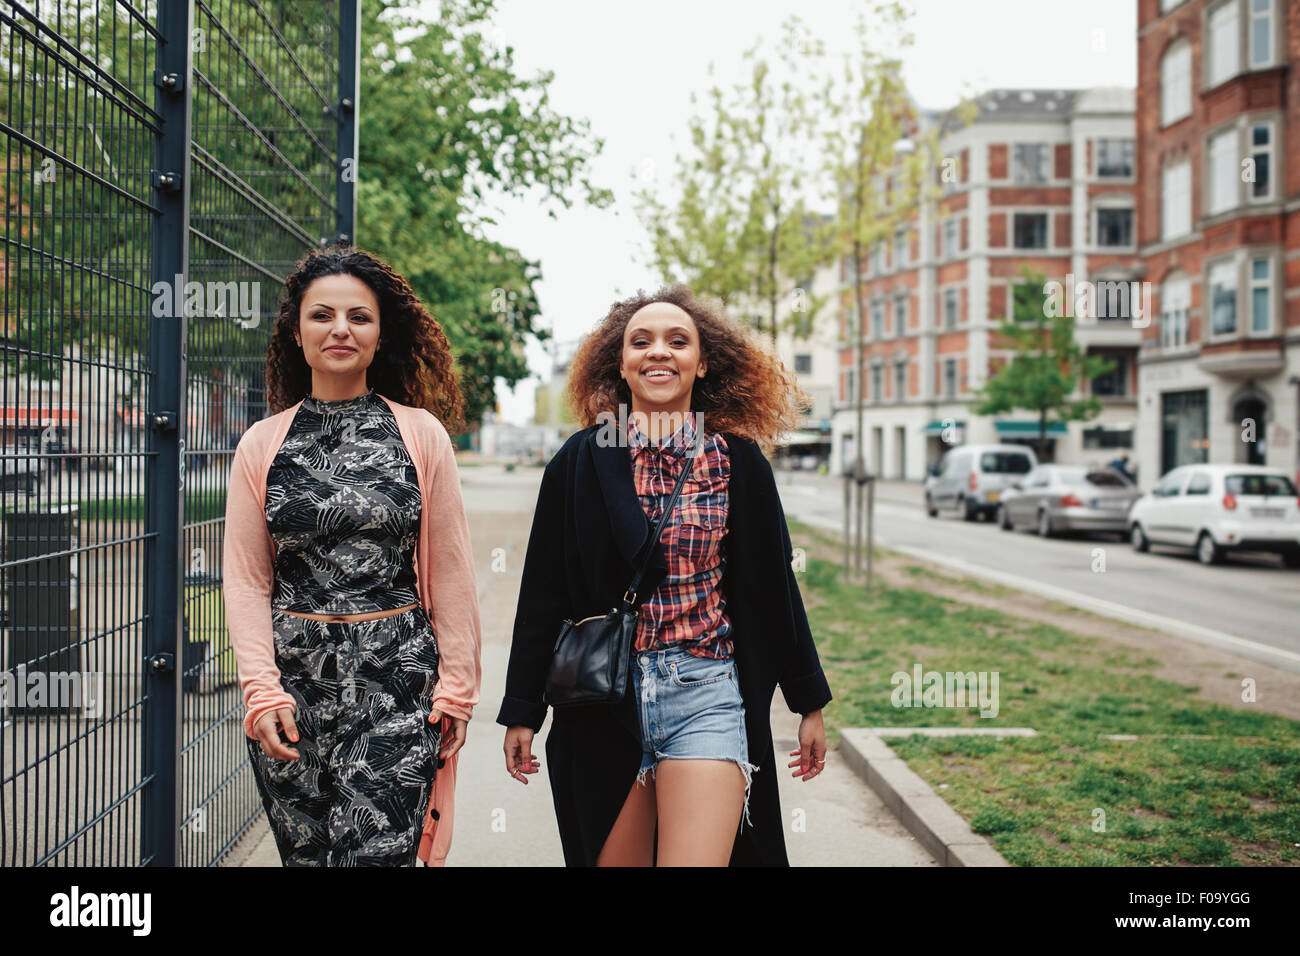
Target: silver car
[{"x": 1054, "y": 498}]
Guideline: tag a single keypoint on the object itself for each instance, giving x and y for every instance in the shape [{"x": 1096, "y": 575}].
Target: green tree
[
  {"x": 874, "y": 133},
  {"x": 1048, "y": 365},
  {"x": 446, "y": 123},
  {"x": 743, "y": 228}
]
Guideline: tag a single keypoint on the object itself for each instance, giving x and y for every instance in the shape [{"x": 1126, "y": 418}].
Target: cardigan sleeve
[
  {"x": 543, "y": 605},
  {"x": 247, "y": 577},
  {"x": 453, "y": 587},
  {"x": 803, "y": 683}
]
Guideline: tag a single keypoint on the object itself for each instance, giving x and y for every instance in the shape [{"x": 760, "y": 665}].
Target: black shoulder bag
[{"x": 592, "y": 656}]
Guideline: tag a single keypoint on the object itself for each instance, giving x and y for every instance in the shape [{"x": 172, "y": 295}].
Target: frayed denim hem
[{"x": 745, "y": 766}]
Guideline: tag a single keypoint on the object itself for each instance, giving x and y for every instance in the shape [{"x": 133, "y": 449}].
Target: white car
[{"x": 1220, "y": 508}]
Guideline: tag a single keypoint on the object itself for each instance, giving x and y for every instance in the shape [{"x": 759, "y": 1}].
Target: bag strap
[{"x": 640, "y": 571}]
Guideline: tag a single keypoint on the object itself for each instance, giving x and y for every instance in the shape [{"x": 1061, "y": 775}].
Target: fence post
[
  {"x": 345, "y": 230},
  {"x": 164, "y": 476}
]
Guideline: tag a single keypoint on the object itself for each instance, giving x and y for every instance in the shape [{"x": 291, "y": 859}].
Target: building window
[
  {"x": 1261, "y": 32},
  {"x": 900, "y": 380},
  {"x": 878, "y": 258},
  {"x": 877, "y": 319},
  {"x": 950, "y": 308},
  {"x": 1261, "y": 152},
  {"x": 1029, "y": 163},
  {"x": 1261, "y": 294},
  {"x": 1114, "y": 158},
  {"x": 877, "y": 383},
  {"x": 1223, "y": 171},
  {"x": 1176, "y": 200},
  {"x": 949, "y": 237},
  {"x": 850, "y": 386},
  {"x": 900, "y": 248},
  {"x": 1113, "y": 384},
  {"x": 1030, "y": 230},
  {"x": 1223, "y": 298},
  {"x": 1114, "y": 227},
  {"x": 950, "y": 378},
  {"x": 803, "y": 364},
  {"x": 1167, "y": 5},
  {"x": 1224, "y": 36},
  {"x": 1176, "y": 83},
  {"x": 1113, "y": 436},
  {"x": 1175, "y": 303},
  {"x": 900, "y": 314},
  {"x": 1113, "y": 300}
]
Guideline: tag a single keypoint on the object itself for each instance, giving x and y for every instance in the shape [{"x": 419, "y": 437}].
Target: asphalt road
[{"x": 1250, "y": 604}]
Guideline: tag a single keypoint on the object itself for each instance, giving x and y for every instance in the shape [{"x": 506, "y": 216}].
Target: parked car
[
  {"x": 970, "y": 479},
  {"x": 1054, "y": 498},
  {"x": 1220, "y": 508}
]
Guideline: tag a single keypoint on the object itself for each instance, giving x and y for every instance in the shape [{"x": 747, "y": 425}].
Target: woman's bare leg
[
  {"x": 699, "y": 803},
  {"x": 631, "y": 842}
]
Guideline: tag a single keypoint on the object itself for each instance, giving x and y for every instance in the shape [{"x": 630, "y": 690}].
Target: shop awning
[
  {"x": 936, "y": 428},
  {"x": 1028, "y": 429},
  {"x": 802, "y": 438},
  {"x": 22, "y": 416}
]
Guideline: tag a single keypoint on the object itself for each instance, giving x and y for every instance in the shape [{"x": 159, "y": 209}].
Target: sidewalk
[{"x": 834, "y": 819}]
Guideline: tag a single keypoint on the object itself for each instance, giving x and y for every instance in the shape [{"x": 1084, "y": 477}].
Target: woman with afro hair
[
  {"x": 669, "y": 774},
  {"x": 348, "y": 575}
]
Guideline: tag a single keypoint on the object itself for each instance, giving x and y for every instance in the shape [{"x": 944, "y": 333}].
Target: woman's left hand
[
  {"x": 453, "y": 742},
  {"x": 811, "y": 755}
]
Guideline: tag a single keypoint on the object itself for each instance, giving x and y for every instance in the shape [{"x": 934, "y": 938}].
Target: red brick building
[
  {"x": 1219, "y": 232},
  {"x": 1043, "y": 178}
]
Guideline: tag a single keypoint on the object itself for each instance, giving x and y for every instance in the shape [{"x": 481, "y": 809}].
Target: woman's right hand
[
  {"x": 268, "y": 737},
  {"x": 519, "y": 753}
]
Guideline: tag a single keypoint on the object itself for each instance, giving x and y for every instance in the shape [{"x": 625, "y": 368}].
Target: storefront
[
  {"x": 1184, "y": 428},
  {"x": 1014, "y": 432}
]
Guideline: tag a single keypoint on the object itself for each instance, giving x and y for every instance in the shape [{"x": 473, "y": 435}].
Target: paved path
[{"x": 833, "y": 820}]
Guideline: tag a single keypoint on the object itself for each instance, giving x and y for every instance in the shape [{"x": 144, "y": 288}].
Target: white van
[{"x": 969, "y": 479}]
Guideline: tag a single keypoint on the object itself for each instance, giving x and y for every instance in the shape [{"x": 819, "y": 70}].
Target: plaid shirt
[{"x": 688, "y": 608}]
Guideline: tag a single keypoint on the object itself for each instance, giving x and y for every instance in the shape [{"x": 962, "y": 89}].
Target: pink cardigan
[{"x": 444, "y": 569}]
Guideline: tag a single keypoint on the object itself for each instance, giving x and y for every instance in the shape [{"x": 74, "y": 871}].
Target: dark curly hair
[
  {"x": 747, "y": 390},
  {"x": 414, "y": 366}
]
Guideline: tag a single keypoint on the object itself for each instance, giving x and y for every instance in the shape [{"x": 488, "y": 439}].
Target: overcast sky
[{"x": 629, "y": 68}]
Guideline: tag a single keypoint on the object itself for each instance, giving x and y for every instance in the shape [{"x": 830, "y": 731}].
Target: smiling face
[
  {"x": 338, "y": 328},
  {"x": 661, "y": 358}
]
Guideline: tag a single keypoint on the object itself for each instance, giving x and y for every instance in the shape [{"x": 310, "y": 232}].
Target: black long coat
[{"x": 588, "y": 530}]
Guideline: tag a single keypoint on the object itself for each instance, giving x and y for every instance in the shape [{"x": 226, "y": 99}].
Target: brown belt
[{"x": 364, "y": 616}]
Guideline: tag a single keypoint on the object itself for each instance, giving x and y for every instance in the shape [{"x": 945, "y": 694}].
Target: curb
[{"x": 936, "y": 825}]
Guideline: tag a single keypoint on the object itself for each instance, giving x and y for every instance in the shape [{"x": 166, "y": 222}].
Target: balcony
[{"x": 1243, "y": 358}]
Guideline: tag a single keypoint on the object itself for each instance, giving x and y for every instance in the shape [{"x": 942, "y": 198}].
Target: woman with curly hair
[
  {"x": 347, "y": 572},
  {"x": 668, "y": 774}
]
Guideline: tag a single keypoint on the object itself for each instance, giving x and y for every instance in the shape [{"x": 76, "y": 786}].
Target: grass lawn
[{"x": 1203, "y": 784}]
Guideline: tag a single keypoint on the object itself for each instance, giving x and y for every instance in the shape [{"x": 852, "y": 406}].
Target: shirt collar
[{"x": 678, "y": 444}]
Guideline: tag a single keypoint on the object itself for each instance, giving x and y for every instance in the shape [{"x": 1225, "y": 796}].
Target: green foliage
[
  {"x": 1048, "y": 364},
  {"x": 446, "y": 122},
  {"x": 743, "y": 228}
]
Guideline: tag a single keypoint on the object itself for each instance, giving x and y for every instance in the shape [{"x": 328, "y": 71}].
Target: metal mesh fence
[{"x": 166, "y": 163}]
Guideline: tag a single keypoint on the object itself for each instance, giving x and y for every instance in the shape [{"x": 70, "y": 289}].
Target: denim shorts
[{"x": 690, "y": 707}]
